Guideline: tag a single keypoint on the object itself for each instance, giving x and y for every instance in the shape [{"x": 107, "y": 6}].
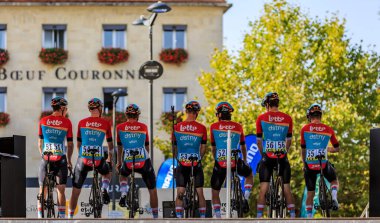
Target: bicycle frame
[
  {"x": 48, "y": 185},
  {"x": 132, "y": 188},
  {"x": 324, "y": 200},
  {"x": 277, "y": 203},
  {"x": 237, "y": 193},
  {"x": 191, "y": 193},
  {"x": 95, "y": 189}
]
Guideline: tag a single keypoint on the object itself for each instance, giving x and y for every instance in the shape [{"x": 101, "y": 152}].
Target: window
[
  {"x": 50, "y": 93},
  {"x": 54, "y": 36},
  {"x": 174, "y": 36},
  {"x": 3, "y": 99},
  {"x": 108, "y": 100},
  {"x": 114, "y": 36},
  {"x": 174, "y": 96},
  {"x": 3, "y": 36}
]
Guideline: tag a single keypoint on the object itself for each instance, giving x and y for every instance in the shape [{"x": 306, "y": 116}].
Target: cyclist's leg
[
  {"x": 61, "y": 186},
  {"x": 123, "y": 181},
  {"x": 199, "y": 182},
  {"x": 182, "y": 178},
  {"x": 286, "y": 175},
  {"x": 217, "y": 180},
  {"x": 149, "y": 177},
  {"x": 105, "y": 170},
  {"x": 246, "y": 171},
  {"x": 265, "y": 172},
  {"x": 310, "y": 181},
  {"x": 80, "y": 174},
  {"x": 41, "y": 177},
  {"x": 330, "y": 174}
]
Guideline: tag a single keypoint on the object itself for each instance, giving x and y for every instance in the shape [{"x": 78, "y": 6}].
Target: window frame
[
  {"x": 54, "y": 91},
  {"x": 3, "y": 27},
  {"x": 54, "y": 28},
  {"x": 174, "y": 29},
  {"x": 174, "y": 91},
  {"x": 114, "y": 29},
  {"x": 3, "y": 90}
]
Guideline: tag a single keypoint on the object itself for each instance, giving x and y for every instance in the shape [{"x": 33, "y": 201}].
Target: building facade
[{"x": 83, "y": 28}]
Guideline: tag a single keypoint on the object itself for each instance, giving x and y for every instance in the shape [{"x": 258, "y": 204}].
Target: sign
[
  {"x": 253, "y": 155},
  {"x": 151, "y": 70},
  {"x": 165, "y": 174}
]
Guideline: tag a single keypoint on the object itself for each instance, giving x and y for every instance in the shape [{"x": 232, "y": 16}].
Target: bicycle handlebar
[
  {"x": 134, "y": 152},
  {"x": 279, "y": 153},
  {"x": 48, "y": 153},
  {"x": 193, "y": 158},
  {"x": 235, "y": 152},
  {"x": 93, "y": 151}
]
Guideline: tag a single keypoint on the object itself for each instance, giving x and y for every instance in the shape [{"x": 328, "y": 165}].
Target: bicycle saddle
[
  {"x": 93, "y": 151},
  {"x": 235, "y": 152},
  {"x": 193, "y": 158},
  {"x": 279, "y": 153},
  {"x": 134, "y": 152},
  {"x": 48, "y": 153}
]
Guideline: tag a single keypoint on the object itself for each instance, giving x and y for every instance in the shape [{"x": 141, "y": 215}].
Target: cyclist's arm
[
  {"x": 203, "y": 150},
  {"x": 40, "y": 143},
  {"x": 259, "y": 135},
  {"x": 175, "y": 151},
  {"x": 303, "y": 154},
  {"x": 244, "y": 152},
  {"x": 334, "y": 142},
  {"x": 213, "y": 150},
  {"x": 288, "y": 143},
  {"x": 110, "y": 151},
  {"x": 119, "y": 154},
  {"x": 331, "y": 149},
  {"x": 260, "y": 145},
  {"x": 70, "y": 147}
]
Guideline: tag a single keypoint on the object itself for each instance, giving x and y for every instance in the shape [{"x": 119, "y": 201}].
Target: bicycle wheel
[
  {"x": 324, "y": 202},
  {"x": 271, "y": 199},
  {"x": 50, "y": 198},
  {"x": 280, "y": 199},
  {"x": 187, "y": 200},
  {"x": 41, "y": 197},
  {"x": 130, "y": 199},
  {"x": 96, "y": 198},
  {"x": 238, "y": 197}
]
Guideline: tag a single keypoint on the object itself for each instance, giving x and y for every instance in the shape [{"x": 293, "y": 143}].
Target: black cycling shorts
[
  {"x": 219, "y": 173},
  {"x": 58, "y": 167},
  {"x": 81, "y": 170},
  {"x": 147, "y": 173},
  {"x": 311, "y": 176},
  {"x": 267, "y": 165},
  {"x": 182, "y": 174}
]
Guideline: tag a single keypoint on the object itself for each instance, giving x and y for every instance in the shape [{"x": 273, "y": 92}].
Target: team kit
[{"x": 273, "y": 131}]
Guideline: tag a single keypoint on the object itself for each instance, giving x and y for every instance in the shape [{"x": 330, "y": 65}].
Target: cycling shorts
[
  {"x": 81, "y": 170},
  {"x": 59, "y": 169},
  {"x": 147, "y": 173},
  {"x": 183, "y": 175},
  {"x": 311, "y": 175},
  {"x": 267, "y": 165},
  {"x": 219, "y": 173}
]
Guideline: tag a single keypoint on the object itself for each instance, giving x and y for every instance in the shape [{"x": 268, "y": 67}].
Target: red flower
[
  {"x": 175, "y": 56},
  {"x": 53, "y": 55},
  {"x": 113, "y": 55},
  {"x": 4, "y": 119},
  {"x": 4, "y": 57}
]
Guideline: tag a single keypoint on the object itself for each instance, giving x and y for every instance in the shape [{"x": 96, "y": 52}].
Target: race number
[
  {"x": 55, "y": 148},
  {"x": 86, "y": 151},
  {"x": 185, "y": 156},
  {"x": 312, "y": 154},
  {"x": 221, "y": 153},
  {"x": 275, "y": 145},
  {"x": 128, "y": 155}
]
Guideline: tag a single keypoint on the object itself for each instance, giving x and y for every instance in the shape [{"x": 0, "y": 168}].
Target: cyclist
[
  {"x": 190, "y": 139},
  {"x": 315, "y": 137},
  {"x": 90, "y": 135},
  {"x": 218, "y": 132},
  {"x": 53, "y": 130},
  {"x": 133, "y": 135},
  {"x": 274, "y": 133}
]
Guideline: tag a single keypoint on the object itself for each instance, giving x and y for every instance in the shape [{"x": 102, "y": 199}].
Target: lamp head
[
  {"x": 140, "y": 21},
  {"x": 159, "y": 7},
  {"x": 119, "y": 93}
]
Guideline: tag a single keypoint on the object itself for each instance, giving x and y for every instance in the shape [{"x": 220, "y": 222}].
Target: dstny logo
[
  {"x": 53, "y": 122},
  {"x": 227, "y": 127},
  {"x": 93, "y": 124},
  {"x": 133, "y": 128},
  {"x": 276, "y": 118},
  {"x": 317, "y": 129},
  {"x": 188, "y": 128}
]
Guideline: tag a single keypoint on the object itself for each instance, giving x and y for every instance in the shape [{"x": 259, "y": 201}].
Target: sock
[
  {"x": 71, "y": 214},
  {"x": 202, "y": 212},
  {"x": 260, "y": 210},
  {"x": 105, "y": 183},
  {"x": 248, "y": 189},
  {"x": 61, "y": 212},
  {"x": 39, "y": 210},
  {"x": 216, "y": 208},
  {"x": 155, "y": 212},
  {"x": 179, "y": 212},
  {"x": 292, "y": 210},
  {"x": 123, "y": 188},
  {"x": 309, "y": 211},
  {"x": 334, "y": 192}
]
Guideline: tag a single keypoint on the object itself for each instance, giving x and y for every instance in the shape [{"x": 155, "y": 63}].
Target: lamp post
[
  {"x": 115, "y": 97},
  {"x": 151, "y": 69}
]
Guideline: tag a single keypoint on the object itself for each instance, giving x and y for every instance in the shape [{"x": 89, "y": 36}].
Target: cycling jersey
[
  {"x": 133, "y": 136},
  {"x": 274, "y": 128},
  {"x": 53, "y": 130},
  {"x": 188, "y": 136},
  {"x": 315, "y": 139},
  {"x": 91, "y": 134},
  {"x": 218, "y": 132}
]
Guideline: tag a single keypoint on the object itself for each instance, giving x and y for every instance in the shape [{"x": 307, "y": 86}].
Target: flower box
[
  {"x": 53, "y": 55},
  {"x": 4, "y": 119},
  {"x": 113, "y": 56},
  {"x": 174, "y": 56},
  {"x": 4, "y": 57}
]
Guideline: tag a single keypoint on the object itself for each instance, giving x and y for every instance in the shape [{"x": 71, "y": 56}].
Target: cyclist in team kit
[
  {"x": 91, "y": 134},
  {"x": 315, "y": 138},
  {"x": 133, "y": 135},
  {"x": 218, "y": 132},
  {"x": 274, "y": 133},
  {"x": 53, "y": 130},
  {"x": 190, "y": 139}
]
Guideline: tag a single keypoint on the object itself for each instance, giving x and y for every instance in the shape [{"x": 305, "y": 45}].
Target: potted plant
[
  {"x": 4, "y": 57},
  {"x": 113, "y": 56},
  {"x": 53, "y": 55},
  {"x": 4, "y": 119},
  {"x": 174, "y": 56}
]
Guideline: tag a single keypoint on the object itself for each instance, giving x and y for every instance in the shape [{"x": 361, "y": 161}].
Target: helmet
[
  {"x": 269, "y": 97},
  {"x": 224, "y": 107},
  {"x": 193, "y": 105},
  {"x": 132, "y": 109},
  {"x": 95, "y": 103},
  {"x": 58, "y": 101},
  {"x": 314, "y": 109}
]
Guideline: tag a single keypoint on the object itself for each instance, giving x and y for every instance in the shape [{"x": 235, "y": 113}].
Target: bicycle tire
[
  {"x": 239, "y": 197},
  {"x": 187, "y": 200},
  {"x": 323, "y": 198},
  {"x": 130, "y": 197},
  {"x": 270, "y": 194},
  {"x": 280, "y": 199},
  {"x": 50, "y": 198},
  {"x": 96, "y": 198},
  {"x": 42, "y": 197}
]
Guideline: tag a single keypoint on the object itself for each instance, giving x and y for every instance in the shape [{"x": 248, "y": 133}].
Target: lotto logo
[
  {"x": 133, "y": 128},
  {"x": 227, "y": 127},
  {"x": 276, "y": 119},
  {"x": 93, "y": 124},
  {"x": 53, "y": 122},
  {"x": 317, "y": 129},
  {"x": 188, "y": 128}
]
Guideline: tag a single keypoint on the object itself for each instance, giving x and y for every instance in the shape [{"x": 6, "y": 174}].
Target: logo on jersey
[
  {"x": 276, "y": 118},
  {"x": 190, "y": 128},
  {"x": 133, "y": 128},
  {"x": 53, "y": 131},
  {"x": 317, "y": 136},
  {"x": 53, "y": 122},
  {"x": 93, "y": 124},
  {"x": 317, "y": 129},
  {"x": 227, "y": 127}
]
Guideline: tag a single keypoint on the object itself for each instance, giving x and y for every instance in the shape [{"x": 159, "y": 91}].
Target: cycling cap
[
  {"x": 314, "y": 109},
  {"x": 58, "y": 101},
  {"x": 269, "y": 97},
  {"x": 95, "y": 103},
  {"x": 132, "y": 109},
  {"x": 193, "y": 105},
  {"x": 224, "y": 107}
]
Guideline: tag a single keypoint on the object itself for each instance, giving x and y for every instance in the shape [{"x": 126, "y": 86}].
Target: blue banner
[
  {"x": 253, "y": 155},
  {"x": 165, "y": 174}
]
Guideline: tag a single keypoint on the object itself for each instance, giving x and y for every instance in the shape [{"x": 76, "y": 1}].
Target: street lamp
[
  {"x": 151, "y": 69},
  {"x": 115, "y": 97}
]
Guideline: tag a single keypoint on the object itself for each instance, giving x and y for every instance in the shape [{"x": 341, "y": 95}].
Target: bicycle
[
  {"x": 190, "y": 199},
  {"x": 95, "y": 198},
  {"x": 133, "y": 192},
  {"x": 325, "y": 198},
  {"x": 237, "y": 201},
  {"x": 48, "y": 185},
  {"x": 275, "y": 195}
]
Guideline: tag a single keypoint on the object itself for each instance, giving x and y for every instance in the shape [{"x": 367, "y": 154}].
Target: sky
[{"x": 362, "y": 18}]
